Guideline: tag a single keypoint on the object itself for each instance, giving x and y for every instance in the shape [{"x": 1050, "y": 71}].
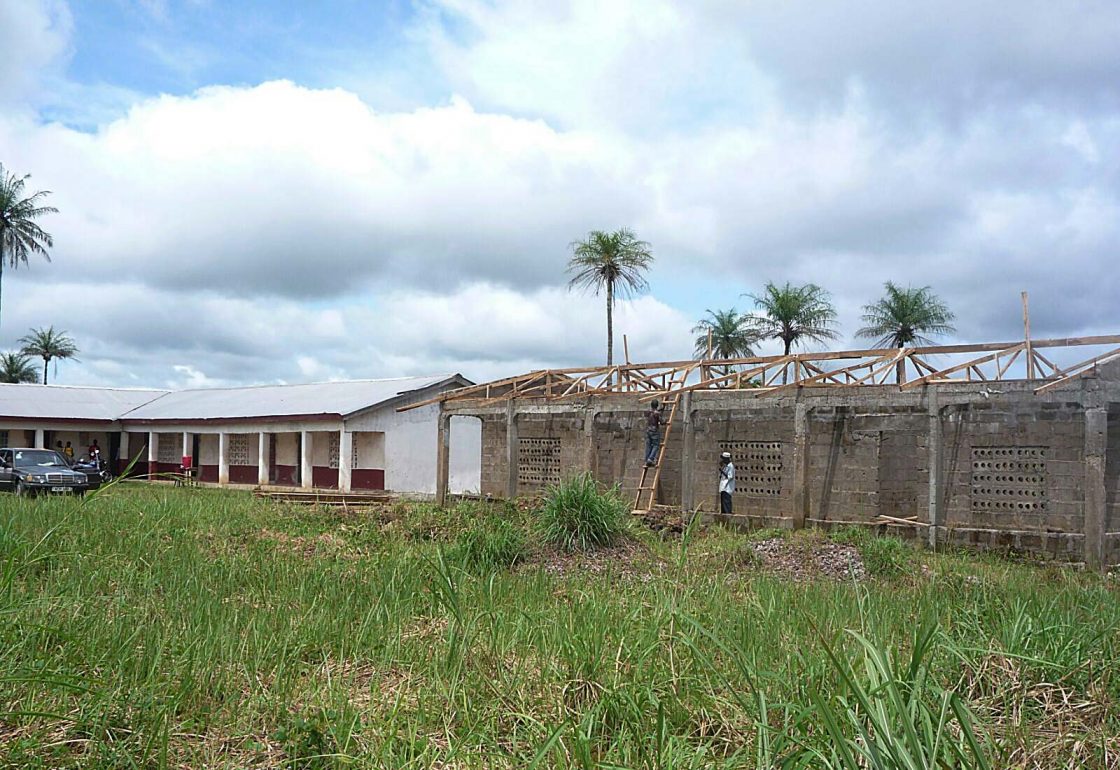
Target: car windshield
[{"x": 41, "y": 458}]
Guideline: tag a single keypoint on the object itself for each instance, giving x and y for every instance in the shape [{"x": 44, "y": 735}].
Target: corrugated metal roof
[
  {"x": 71, "y": 403},
  {"x": 333, "y": 398}
]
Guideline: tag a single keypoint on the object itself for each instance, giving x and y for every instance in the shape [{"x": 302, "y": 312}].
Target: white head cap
[{"x": 725, "y": 456}]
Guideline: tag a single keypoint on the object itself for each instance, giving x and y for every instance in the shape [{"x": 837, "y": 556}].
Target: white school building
[{"x": 334, "y": 435}]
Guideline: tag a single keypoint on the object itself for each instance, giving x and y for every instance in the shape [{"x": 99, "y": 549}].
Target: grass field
[{"x": 158, "y": 627}]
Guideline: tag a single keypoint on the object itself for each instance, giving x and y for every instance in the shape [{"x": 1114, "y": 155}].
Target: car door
[{"x": 5, "y": 468}]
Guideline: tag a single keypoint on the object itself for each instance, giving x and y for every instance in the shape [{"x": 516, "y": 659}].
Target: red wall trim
[
  {"x": 243, "y": 474},
  {"x": 324, "y": 477},
  {"x": 367, "y": 478}
]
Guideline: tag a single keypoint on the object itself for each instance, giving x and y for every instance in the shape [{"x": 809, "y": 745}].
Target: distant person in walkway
[
  {"x": 95, "y": 453},
  {"x": 653, "y": 432},
  {"x": 68, "y": 451},
  {"x": 726, "y": 482}
]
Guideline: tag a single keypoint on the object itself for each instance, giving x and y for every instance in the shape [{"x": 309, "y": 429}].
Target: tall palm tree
[
  {"x": 612, "y": 261},
  {"x": 48, "y": 344},
  {"x": 19, "y": 235},
  {"x": 17, "y": 367},
  {"x": 905, "y": 316},
  {"x": 731, "y": 334},
  {"x": 794, "y": 314}
]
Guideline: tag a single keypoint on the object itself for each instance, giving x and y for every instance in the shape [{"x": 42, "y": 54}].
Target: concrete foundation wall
[{"x": 1013, "y": 467}]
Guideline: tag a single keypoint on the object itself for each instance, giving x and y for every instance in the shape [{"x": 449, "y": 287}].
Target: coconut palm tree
[
  {"x": 614, "y": 262},
  {"x": 17, "y": 367},
  {"x": 48, "y": 344},
  {"x": 730, "y": 332},
  {"x": 905, "y": 316},
  {"x": 19, "y": 235}
]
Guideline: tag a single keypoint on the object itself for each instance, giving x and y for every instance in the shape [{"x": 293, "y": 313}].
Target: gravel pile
[{"x": 808, "y": 560}]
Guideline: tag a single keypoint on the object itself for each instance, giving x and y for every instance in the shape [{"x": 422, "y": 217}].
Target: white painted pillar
[
  {"x": 188, "y": 446},
  {"x": 123, "y": 456},
  {"x": 262, "y": 459},
  {"x": 223, "y": 458},
  {"x": 153, "y": 452},
  {"x": 40, "y": 439},
  {"x": 345, "y": 459},
  {"x": 305, "y": 464}
]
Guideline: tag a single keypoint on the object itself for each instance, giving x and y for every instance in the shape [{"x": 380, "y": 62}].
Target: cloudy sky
[{"x": 280, "y": 190}]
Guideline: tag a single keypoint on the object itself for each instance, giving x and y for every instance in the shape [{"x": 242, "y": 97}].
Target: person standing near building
[
  {"x": 653, "y": 432},
  {"x": 95, "y": 454},
  {"x": 68, "y": 451},
  {"x": 726, "y": 482}
]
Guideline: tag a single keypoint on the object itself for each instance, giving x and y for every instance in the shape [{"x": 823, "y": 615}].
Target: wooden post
[
  {"x": 800, "y": 465},
  {"x": 443, "y": 456},
  {"x": 512, "y": 447},
  {"x": 933, "y": 447},
  {"x": 709, "y": 344},
  {"x": 688, "y": 454},
  {"x": 626, "y": 349},
  {"x": 1027, "y": 336}
]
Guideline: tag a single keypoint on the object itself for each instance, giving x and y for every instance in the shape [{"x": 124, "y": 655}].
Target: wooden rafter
[{"x": 836, "y": 369}]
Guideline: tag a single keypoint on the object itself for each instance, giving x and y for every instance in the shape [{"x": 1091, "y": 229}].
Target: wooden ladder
[{"x": 673, "y": 401}]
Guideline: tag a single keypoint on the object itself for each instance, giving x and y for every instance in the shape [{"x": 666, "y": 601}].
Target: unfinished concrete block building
[{"x": 990, "y": 445}]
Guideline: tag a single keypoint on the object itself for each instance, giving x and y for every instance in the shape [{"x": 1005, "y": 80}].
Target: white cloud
[
  {"x": 279, "y": 232},
  {"x": 34, "y": 38}
]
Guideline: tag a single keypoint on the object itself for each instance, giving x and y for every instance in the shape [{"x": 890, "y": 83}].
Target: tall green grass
[
  {"x": 577, "y": 515},
  {"x": 156, "y": 627}
]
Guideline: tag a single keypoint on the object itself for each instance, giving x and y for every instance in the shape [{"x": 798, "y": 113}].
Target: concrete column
[
  {"x": 188, "y": 446},
  {"x": 223, "y": 458},
  {"x": 305, "y": 464},
  {"x": 512, "y": 453},
  {"x": 40, "y": 438},
  {"x": 443, "y": 456},
  {"x": 345, "y": 459},
  {"x": 688, "y": 454},
  {"x": 123, "y": 457},
  {"x": 800, "y": 465},
  {"x": 934, "y": 461},
  {"x": 589, "y": 439},
  {"x": 153, "y": 452},
  {"x": 262, "y": 459},
  {"x": 1096, "y": 443}
]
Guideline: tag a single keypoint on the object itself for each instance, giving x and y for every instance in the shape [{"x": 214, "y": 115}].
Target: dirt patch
[
  {"x": 807, "y": 560},
  {"x": 325, "y": 544},
  {"x": 628, "y": 559}
]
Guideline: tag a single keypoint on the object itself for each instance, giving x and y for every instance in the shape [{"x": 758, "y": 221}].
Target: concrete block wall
[{"x": 1012, "y": 472}]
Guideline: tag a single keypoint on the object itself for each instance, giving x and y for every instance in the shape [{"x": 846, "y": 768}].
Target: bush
[
  {"x": 491, "y": 544},
  {"x": 577, "y": 515}
]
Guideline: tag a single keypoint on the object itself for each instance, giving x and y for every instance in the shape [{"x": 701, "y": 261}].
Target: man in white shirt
[{"x": 726, "y": 482}]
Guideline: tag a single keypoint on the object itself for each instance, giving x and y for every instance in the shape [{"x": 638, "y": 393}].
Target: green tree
[
  {"x": 731, "y": 333},
  {"x": 19, "y": 235},
  {"x": 48, "y": 344},
  {"x": 794, "y": 314},
  {"x": 614, "y": 262},
  {"x": 17, "y": 367},
  {"x": 904, "y": 316}
]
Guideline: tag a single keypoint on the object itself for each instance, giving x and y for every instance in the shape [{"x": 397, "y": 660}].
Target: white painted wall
[{"x": 410, "y": 448}]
